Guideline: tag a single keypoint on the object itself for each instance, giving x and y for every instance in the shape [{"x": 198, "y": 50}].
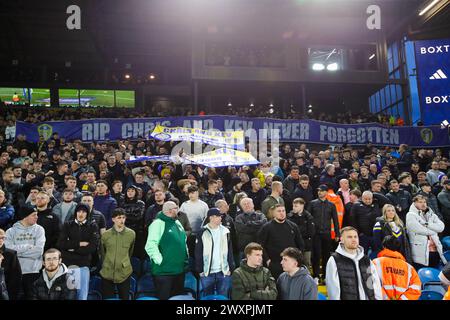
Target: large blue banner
[
  {"x": 433, "y": 73},
  {"x": 308, "y": 131}
]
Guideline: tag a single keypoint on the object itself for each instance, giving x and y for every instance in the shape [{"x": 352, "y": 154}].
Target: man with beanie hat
[
  {"x": 166, "y": 247},
  {"x": 214, "y": 255},
  {"x": 79, "y": 238},
  {"x": 27, "y": 238},
  {"x": 444, "y": 276}
]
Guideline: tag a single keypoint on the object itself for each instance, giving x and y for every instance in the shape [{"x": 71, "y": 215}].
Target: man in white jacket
[
  {"x": 27, "y": 238},
  {"x": 423, "y": 226},
  {"x": 350, "y": 275}
]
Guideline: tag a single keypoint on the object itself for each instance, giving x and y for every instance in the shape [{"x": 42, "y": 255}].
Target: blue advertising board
[{"x": 433, "y": 75}]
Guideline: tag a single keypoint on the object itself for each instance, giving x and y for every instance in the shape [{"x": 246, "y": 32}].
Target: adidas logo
[{"x": 438, "y": 75}]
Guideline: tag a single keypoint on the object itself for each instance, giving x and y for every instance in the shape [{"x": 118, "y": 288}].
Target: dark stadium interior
[
  {"x": 325, "y": 175},
  {"x": 167, "y": 39}
]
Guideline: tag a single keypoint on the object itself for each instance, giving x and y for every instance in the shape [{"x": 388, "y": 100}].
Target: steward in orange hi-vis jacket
[
  {"x": 399, "y": 279},
  {"x": 337, "y": 201}
]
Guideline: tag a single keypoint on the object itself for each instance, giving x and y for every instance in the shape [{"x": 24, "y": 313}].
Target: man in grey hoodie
[
  {"x": 349, "y": 274},
  {"x": 27, "y": 238},
  {"x": 295, "y": 283}
]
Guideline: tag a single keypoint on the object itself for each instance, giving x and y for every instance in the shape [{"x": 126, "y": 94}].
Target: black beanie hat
[
  {"x": 83, "y": 207},
  {"x": 25, "y": 212}
]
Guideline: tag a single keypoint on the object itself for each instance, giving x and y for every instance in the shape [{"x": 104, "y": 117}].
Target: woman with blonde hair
[{"x": 391, "y": 224}]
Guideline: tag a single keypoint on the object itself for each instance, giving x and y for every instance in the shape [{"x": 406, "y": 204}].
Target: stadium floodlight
[
  {"x": 252, "y": 105},
  {"x": 445, "y": 124},
  {"x": 127, "y": 76},
  {"x": 229, "y": 104},
  {"x": 372, "y": 56},
  {"x": 271, "y": 110},
  {"x": 152, "y": 76},
  {"x": 318, "y": 67},
  {"x": 332, "y": 66},
  {"x": 271, "y": 105},
  {"x": 428, "y": 7}
]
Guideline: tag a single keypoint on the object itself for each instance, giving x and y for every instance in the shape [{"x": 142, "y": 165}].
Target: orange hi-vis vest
[
  {"x": 447, "y": 295},
  {"x": 337, "y": 201},
  {"x": 399, "y": 279}
]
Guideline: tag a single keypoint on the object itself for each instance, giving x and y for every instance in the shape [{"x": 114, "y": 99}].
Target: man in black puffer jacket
[
  {"x": 79, "y": 238},
  {"x": 305, "y": 222},
  {"x": 323, "y": 212},
  {"x": 53, "y": 282},
  {"x": 304, "y": 190},
  {"x": 363, "y": 217},
  {"x": 135, "y": 214}
]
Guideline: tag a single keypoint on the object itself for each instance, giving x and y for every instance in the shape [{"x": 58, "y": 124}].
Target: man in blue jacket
[{"x": 104, "y": 203}]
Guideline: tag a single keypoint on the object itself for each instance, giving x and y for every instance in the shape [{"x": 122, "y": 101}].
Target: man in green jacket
[
  {"x": 117, "y": 247},
  {"x": 251, "y": 281},
  {"x": 166, "y": 247}
]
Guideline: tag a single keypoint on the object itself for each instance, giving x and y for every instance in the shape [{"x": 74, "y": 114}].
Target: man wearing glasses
[
  {"x": 52, "y": 283},
  {"x": 166, "y": 247}
]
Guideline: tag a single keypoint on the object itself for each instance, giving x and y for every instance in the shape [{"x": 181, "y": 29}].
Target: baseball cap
[
  {"x": 213, "y": 212},
  {"x": 323, "y": 187}
]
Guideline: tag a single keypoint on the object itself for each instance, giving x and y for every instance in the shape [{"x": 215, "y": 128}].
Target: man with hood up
[
  {"x": 350, "y": 274},
  {"x": 79, "y": 238},
  {"x": 52, "y": 283},
  {"x": 27, "y": 238}
]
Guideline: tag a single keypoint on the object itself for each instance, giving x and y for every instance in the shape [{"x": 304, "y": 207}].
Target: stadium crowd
[
  {"x": 8, "y": 116},
  {"x": 344, "y": 217}
]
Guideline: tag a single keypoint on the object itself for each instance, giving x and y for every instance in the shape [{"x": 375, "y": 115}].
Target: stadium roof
[{"x": 154, "y": 32}]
